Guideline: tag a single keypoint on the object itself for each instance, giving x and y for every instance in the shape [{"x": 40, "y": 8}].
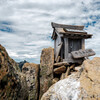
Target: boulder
[
  {"x": 46, "y": 69},
  {"x": 66, "y": 89},
  {"x": 90, "y": 79},
  {"x": 12, "y": 81},
  {"x": 31, "y": 72}
]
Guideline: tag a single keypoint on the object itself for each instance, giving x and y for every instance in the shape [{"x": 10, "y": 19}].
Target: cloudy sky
[{"x": 25, "y": 25}]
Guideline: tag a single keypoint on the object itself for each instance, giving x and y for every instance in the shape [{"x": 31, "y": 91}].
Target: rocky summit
[
  {"x": 12, "y": 81},
  {"x": 48, "y": 81},
  {"x": 82, "y": 85}
]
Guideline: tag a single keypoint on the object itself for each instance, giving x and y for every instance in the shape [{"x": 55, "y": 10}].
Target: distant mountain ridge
[{"x": 21, "y": 64}]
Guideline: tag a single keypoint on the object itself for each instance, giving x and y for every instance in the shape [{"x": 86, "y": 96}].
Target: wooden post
[
  {"x": 54, "y": 48},
  {"x": 83, "y": 44},
  {"x": 62, "y": 49},
  {"x": 66, "y": 48}
]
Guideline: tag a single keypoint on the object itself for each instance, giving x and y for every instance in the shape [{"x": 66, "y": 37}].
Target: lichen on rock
[
  {"x": 46, "y": 69},
  {"x": 31, "y": 72},
  {"x": 12, "y": 82},
  {"x": 90, "y": 79},
  {"x": 82, "y": 85}
]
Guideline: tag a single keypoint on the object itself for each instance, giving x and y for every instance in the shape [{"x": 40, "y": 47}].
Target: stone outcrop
[
  {"x": 31, "y": 72},
  {"x": 81, "y": 85},
  {"x": 46, "y": 69},
  {"x": 12, "y": 81},
  {"x": 66, "y": 82},
  {"x": 90, "y": 79},
  {"x": 67, "y": 89}
]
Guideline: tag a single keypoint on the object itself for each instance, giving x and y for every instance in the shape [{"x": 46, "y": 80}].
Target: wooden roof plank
[{"x": 76, "y": 27}]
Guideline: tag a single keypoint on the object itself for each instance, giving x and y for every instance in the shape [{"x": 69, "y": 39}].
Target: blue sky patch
[{"x": 6, "y": 29}]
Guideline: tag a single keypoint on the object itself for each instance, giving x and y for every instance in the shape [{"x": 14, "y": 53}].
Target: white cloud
[{"x": 30, "y": 22}]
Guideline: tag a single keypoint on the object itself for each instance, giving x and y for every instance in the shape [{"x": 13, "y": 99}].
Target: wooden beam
[
  {"x": 58, "y": 50},
  {"x": 62, "y": 50},
  {"x": 68, "y": 70},
  {"x": 66, "y": 48},
  {"x": 58, "y": 59},
  {"x": 60, "y": 70},
  {"x": 82, "y": 53},
  {"x": 77, "y": 36},
  {"x": 54, "y": 47},
  {"x": 77, "y": 27},
  {"x": 83, "y": 44},
  {"x": 60, "y": 64}
]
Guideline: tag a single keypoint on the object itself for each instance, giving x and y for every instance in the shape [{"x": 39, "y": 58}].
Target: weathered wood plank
[
  {"x": 73, "y": 34},
  {"x": 60, "y": 64},
  {"x": 68, "y": 70},
  {"x": 62, "y": 51},
  {"x": 82, "y": 53},
  {"x": 58, "y": 59},
  {"x": 68, "y": 34},
  {"x": 75, "y": 31},
  {"x": 60, "y": 70},
  {"x": 66, "y": 48},
  {"x": 62, "y": 76},
  {"x": 70, "y": 59},
  {"x": 72, "y": 66},
  {"x": 83, "y": 44},
  {"x": 54, "y": 47},
  {"x": 58, "y": 50},
  {"x": 67, "y": 26}
]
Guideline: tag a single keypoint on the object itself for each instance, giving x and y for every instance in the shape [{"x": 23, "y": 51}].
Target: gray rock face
[{"x": 31, "y": 72}]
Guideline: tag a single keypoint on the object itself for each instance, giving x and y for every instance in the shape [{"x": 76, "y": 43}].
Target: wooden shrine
[{"x": 69, "y": 43}]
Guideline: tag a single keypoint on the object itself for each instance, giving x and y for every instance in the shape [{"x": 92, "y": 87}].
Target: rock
[
  {"x": 12, "y": 81},
  {"x": 90, "y": 79},
  {"x": 46, "y": 69},
  {"x": 66, "y": 89},
  {"x": 55, "y": 80},
  {"x": 31, "y": 72},
  {"x": 60, "y": 70},
  {"x": 77, "y": 68},
  {"x": 82, "y": 85}
]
